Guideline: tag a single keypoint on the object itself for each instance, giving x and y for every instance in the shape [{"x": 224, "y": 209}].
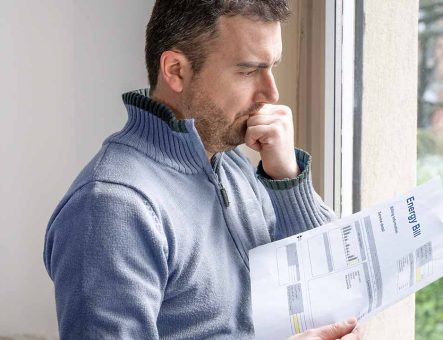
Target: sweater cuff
[
  {"x": 304, "y": 164},
  {"x": 296, "y": 204}
]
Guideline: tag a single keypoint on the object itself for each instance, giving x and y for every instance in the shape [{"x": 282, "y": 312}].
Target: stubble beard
[{"x": 216, "y": 132}]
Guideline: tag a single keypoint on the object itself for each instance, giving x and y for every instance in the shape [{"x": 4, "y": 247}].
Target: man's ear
[{"x": 175, "y": 69}]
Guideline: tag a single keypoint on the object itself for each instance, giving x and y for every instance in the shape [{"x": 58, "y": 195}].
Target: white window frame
[{"x": 339, "y": 105}]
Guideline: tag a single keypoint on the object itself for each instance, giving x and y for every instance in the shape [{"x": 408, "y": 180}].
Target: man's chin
[
  {"x": 227, "y": 142},
  {"x": 233, "y": 145},
  {"x": 226, "y": 147}
]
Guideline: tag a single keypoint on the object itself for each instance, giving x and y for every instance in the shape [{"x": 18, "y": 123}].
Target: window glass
[{"x": 429, "y": 301}]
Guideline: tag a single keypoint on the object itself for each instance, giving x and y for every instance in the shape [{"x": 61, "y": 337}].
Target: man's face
[{"x": 235, "y": 81}]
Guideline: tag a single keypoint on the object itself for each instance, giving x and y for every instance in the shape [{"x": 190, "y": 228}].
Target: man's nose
[{"x": 267, "y": 91}]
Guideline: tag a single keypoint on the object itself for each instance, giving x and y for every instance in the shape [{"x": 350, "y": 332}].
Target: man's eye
[{"x": 248, "y": 73}]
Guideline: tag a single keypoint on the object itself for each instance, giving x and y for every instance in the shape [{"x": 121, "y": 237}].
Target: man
[{"x": 152, "y": 239}]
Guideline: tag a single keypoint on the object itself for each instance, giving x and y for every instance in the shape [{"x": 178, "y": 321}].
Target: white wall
[{"x": 63, "y": 67}]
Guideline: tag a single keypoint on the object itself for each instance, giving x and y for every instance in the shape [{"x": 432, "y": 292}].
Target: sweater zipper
[
  {"x": 215, "y": 166},
  {"x": 222, "y": 189}
]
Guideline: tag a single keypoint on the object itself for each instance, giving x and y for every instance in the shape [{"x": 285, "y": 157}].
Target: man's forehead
[{"x": 243, "y": 37}]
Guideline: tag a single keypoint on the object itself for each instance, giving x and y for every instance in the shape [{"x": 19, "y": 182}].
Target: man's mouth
[{"x": 252, "y": 111}]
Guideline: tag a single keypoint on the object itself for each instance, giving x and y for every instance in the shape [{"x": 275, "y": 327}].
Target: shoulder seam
[{"x": 99, "y": 162}]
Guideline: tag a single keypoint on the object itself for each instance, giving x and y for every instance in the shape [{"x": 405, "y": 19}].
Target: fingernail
[{"x": 351, "y": 321}]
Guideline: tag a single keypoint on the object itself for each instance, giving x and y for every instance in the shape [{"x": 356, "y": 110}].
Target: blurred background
[{"x": 429, "y": 301}]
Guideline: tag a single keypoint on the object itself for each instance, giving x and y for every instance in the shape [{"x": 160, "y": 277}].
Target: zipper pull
[{"x": 224, "y": 194}]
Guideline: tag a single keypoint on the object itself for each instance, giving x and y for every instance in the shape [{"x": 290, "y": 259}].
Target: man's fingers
[
  {"x": 338, "y": 330},
  {"x": 273, "y": 108},
  {"x": 344, "y": 330},
  {"x": 253, "y": 135},
  {"x": 351, "y": 336},
  {"x": 270, "y": 131},
  {"x": 270, "y": 115},
  {"x": 261, "y": 134},
  {"x": 359, "y": 330},
  {"x": 261, "y": 119},
  {"x": 357, "y": 333}
]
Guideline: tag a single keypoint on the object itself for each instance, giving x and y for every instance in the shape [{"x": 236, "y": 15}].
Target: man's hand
[
  {"x": 344, "y": 330},
  {"x": 271, "y": 132}
]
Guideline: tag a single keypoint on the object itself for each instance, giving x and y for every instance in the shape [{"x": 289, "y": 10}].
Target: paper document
[{"x": 355, "y": 266}]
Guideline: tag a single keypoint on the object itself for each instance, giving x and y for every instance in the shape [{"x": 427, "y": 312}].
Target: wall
[
  {"x": 389, "y": 116},
  {"x": 63, "y": 66}
]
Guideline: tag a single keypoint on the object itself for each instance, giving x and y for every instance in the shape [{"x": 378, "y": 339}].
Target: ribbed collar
[{"x": 153, "y": 129}]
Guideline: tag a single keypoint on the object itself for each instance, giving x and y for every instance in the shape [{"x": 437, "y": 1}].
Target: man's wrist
[
  {"x": 283, "y": 174},
  {"x": 303, "y": 160}
]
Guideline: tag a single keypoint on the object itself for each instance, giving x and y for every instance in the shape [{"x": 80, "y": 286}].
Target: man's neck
[
  {"x": 172, "y": 102},
  {"x": 168, "y": 101}
]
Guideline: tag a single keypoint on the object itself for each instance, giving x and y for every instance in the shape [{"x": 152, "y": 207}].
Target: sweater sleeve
[
  {"x": 296, "y": 205},
  {"x": 107, "y": 255}
]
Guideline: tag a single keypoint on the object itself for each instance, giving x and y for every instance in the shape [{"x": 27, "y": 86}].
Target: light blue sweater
[{"x": 151, "y": 240}]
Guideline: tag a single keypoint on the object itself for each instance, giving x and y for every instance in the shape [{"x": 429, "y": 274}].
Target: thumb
[{"x": 337, "y": 330}]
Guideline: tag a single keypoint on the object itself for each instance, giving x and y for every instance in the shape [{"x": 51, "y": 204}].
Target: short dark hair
[{"x": 190, "y": 25}]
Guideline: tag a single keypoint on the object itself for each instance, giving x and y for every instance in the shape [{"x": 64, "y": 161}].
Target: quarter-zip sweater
[{"x": 151, "y": 240}]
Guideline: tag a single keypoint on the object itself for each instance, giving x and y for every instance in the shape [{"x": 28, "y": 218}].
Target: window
[{"x": 429, "y": 304}]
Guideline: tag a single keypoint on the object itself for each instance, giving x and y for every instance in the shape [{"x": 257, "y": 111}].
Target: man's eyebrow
[{"x": 251, "y": 64}]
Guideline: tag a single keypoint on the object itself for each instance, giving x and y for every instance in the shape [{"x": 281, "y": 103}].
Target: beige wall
[{"x": 389, "y": 125}]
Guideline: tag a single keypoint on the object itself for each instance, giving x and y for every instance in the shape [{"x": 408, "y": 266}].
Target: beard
[{"x": 216, "y": 131}]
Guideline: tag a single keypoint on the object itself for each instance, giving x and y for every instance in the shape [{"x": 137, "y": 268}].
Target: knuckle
[
  {"x": 282, "y": 124},
  {"x": 275, "y": 130},
  {"x": 332, "y": 330},
  {"x": 336, "y": 327},
  {"x": 286, "y": 110}
]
